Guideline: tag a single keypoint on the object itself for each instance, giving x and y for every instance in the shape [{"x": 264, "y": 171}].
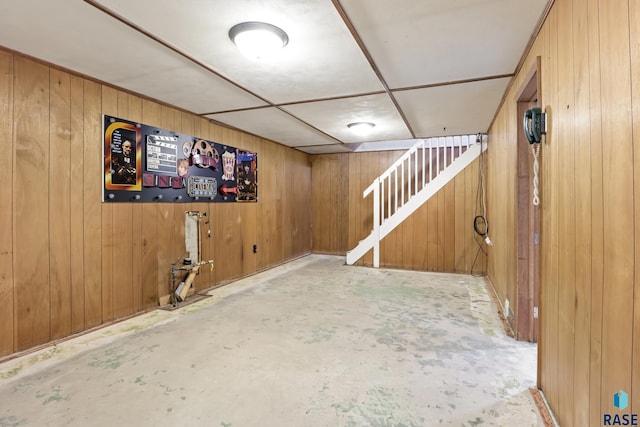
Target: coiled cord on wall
[
  {"x": 535, "y": 149},
  {"x": 480, "y": 224}
]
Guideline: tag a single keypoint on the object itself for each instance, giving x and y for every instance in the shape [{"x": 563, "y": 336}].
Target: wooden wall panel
[
  {"x": 583, "y": 214},
  {"x": 270, "y": 209},
  {"x": 287, "y": 212},
  {"x": 109, "y": 228},
  {"x": 500, "y": 205},
  {"x": 76, "y": 214},
  {"x": 617, "y": 158},
  {"x": 549, "y": 237},
  {"x": 449, "y": 230},
  {"x": 150, "y": 230},
  {"x": 460, "y": 222},
  {"x": 634, "y": 28},
  {"x": 124, "y": 235},
  {"x": 93, "y": 250},
  {"x": 60, "y": 203},
  {"x": 597, "y": 213},
  {"x": 31, "y": 245},
  {"x": 423, "y": 233},
  {"x": 566, "y": 213},
  {"x": 406, "y": 242},
  {"x": 69, "y": 262},
  {"x": 330, "y": 195},
  {"x": 431, "y": 218},
  {"x": 302, "y": 220},
  {"x": 6, "y": 205},
  {"x": 355, "y": 193}
]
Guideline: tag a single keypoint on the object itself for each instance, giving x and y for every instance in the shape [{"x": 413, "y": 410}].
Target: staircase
[{"x": 412, "y": 180}]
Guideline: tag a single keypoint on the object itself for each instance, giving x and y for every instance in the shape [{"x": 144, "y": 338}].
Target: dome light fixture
[
  {"x": 361, "y": 128},
  {"x": 258, "y": 40}
]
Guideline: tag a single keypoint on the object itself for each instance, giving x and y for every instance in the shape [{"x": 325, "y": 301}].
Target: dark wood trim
[{"x": 374, "y": 66}]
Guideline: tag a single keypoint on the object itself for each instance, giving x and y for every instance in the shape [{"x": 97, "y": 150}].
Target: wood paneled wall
[
  {"x": 437, "y": 237},
  {"x": 330, "y": 193},
  {"x": 590, "y": 192},
  {"x": 68, "y": 262}
]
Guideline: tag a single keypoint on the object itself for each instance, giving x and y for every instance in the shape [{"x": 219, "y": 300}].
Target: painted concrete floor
[{"x": 310, "y": 343}]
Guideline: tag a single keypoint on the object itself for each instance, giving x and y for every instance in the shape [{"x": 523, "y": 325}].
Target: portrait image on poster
[
  {"x": 123, "y": 157},
  {"x": 122, "y": 151},
  {"x": 247, "y": 176}
]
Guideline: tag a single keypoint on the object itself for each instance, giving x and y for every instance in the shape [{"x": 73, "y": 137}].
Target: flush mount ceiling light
[
  {"x": 361, "y": 128},
  {"x": 258, "y": 39}
]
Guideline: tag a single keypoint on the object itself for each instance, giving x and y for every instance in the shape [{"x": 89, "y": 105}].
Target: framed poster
[
  {"x": 144, "y": 163},
  {"x": 247, "y": 176}
]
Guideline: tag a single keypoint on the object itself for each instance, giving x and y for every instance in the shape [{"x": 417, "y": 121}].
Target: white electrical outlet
[{"x": 506, "y": 308}]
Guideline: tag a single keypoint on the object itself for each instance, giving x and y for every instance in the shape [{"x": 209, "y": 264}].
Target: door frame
[{"x": 528, "y": 219}]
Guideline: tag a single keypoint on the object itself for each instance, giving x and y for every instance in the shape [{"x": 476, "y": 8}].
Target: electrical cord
[
  {"x": 480, "y": 224},
  {"x": 535, "y": 149},
  {"x": 480, "y": 219}
]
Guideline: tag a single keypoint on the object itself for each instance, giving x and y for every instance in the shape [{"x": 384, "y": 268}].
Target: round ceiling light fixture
[
  {"x": 258, "y": 39},
  {"x": 361, "y": 128}
]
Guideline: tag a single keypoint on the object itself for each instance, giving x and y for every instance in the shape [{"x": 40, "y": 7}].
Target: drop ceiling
[{"x": 415, "y": 68}]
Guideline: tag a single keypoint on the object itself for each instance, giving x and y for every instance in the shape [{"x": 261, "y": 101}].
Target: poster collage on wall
[{"x": 147, "y": 164}]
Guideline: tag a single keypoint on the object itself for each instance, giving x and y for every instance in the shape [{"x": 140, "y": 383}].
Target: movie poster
[{"x": 247, "y": 176}]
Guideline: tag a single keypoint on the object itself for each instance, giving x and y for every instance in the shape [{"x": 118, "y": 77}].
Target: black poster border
[{"x": 143, "y": 163}]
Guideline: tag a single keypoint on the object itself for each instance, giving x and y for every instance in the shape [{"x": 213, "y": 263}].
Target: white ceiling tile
[
  {"x": 189, "y": 86},
  {"x": 273, "y": 124},
  {"x": 422, "y": 42},
  {"x": 461, "y": 109},
  {"x": 333, "y": 116}
]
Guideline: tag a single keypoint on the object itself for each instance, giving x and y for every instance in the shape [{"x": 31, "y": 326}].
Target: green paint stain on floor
[
  {"x": 489, "y": 332},
  {"x": 11, "y": 373},
  {"x": 54, "y": 397},
  {"x": 319, "y": 335},
  {"x": 112, "y": 361},
  {"x": 46, "y": 355},
  {"x": 12, "y": 421}
]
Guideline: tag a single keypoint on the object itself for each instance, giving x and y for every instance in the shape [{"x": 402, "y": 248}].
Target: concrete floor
[{"x": 310, "y": 343}]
